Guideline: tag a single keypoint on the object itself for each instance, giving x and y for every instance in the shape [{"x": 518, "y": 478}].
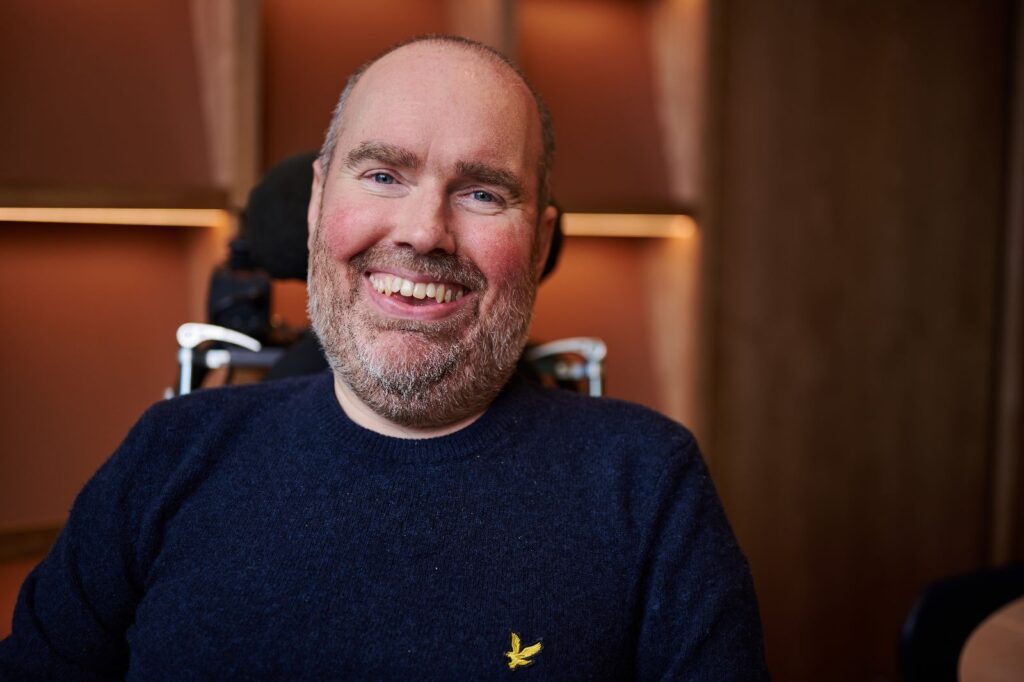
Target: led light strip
[
  {"x": 171, "y": 217},
  {"x": 573, "y": 224},
  {"x": 628, "y": 225}
]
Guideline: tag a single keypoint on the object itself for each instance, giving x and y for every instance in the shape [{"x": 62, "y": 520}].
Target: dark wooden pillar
[{"x": 858, "y": 201}]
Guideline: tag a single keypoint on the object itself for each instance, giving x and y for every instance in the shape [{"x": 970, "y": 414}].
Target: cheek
[
  {"x": 349, "y": 231},
  {"x": 503, "y": 259}
]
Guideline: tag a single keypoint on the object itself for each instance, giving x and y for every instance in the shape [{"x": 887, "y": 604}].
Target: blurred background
[{"x": 838, "y": 318}]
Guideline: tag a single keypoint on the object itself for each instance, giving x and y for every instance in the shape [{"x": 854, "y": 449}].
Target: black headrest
[{"x": 274, "y": 223}]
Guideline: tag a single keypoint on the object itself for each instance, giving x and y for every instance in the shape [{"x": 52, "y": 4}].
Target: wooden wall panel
[
  {"x": 89, "y": 319},
  {"x": 100, "y": 93},
  {"x": 852, "y": 260},
  {"x": 640, "y": 297},
  {"x": 592, "y": 61},
  {"x": 1008, "y": 456},
  {"x": 311, "y": 47}
]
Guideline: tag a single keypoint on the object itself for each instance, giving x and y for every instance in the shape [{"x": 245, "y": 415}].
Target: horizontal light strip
[
  {"x": 170, "y": 217},
  {"x": 628, "y": 225},
  {"x": 573, "y": 224}
]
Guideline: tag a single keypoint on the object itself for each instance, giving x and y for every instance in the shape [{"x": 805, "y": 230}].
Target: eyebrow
[
  {"x": 388, "y": 154},
  {"x": 489, "y": 175}
]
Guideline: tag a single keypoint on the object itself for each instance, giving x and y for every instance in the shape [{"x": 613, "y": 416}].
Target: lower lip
[{"x": 395, "y": 305}]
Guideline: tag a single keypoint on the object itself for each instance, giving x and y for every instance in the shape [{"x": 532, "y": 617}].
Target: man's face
[{"x": 424, "y": 239}]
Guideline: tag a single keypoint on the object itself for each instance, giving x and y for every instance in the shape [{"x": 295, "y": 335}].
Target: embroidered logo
[{"x": 521, "y": 657}]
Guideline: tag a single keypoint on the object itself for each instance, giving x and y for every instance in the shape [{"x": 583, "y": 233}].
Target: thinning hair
[{"x": 547, "y": 129}]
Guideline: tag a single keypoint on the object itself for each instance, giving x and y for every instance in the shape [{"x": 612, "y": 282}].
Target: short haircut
[{"x": 546, "y": 127}]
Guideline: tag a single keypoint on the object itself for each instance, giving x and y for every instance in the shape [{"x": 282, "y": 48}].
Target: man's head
[
  {"x": 428, "y": 230},
  {"x": 547, "y": 128}
]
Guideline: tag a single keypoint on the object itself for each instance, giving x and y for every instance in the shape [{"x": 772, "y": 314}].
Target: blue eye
[
  {"x": 481, "y": 195},
  {"x": 383, "y": 178}
]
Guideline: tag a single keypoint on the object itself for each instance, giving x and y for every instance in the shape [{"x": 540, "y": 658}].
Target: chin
[
  {"x": 428, "y": 385},
  {"x": 418, "y": 375}
]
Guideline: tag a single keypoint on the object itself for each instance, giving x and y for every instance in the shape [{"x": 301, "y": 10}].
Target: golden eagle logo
[{"x": 521, "y": 657}]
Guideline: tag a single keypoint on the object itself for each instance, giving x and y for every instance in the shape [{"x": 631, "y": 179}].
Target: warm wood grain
[
  {"x": 678, "y": 30},
  {"x": 84, "y": 196},
  {"x": 853, "y": 258},
  {"x": 492, "y": 22},
  {"x": 225, "y": 37},
  {"x": 100, "y": 93},
  {"x": 1008, "y": 457}
]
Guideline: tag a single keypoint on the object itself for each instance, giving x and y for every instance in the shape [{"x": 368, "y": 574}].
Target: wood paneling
[
  {"x": 226, "y": 41},
  {"x": 89, "y": 319},
  {"x": 100, "y": 93},
  {"x": 852, "y": 269},
  {"x": 639, "y": 296},
  {"x": 311, "y": 47},
  {"x": 679, "y": 62},
  {"x": 592, "y": 61},
  {"x": 491, "y": 22},
  {"x": 1008, "y": 458},
  {"x": 89, "y": 196}
]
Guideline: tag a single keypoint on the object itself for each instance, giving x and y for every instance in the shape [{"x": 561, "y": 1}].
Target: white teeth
[{"x": 390, "y": 284}]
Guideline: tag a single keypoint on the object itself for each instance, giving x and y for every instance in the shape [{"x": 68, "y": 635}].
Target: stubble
[{"x": 418, "y": 373}]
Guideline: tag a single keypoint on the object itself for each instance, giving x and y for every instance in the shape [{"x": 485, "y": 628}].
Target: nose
[{"x": 424, "y": 223}]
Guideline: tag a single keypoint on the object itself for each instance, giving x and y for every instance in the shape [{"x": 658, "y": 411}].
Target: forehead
[{"x": 447, "y": 101}]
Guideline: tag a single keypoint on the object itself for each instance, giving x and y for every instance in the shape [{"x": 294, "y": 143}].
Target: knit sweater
[{"x": 257, "y": 533}]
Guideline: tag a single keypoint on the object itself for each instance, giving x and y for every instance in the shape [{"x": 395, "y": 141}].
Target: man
[{"x": 415, "y": 513}]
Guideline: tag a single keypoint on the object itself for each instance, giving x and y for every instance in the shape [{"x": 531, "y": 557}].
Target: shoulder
[
  {"x": 178, "y": 442},
  {"x": 222, "y": 406},
  {"x": 609, "y": 418},
  {"x": 182, "y": 430},
  {"x": 618, "y": 438}
]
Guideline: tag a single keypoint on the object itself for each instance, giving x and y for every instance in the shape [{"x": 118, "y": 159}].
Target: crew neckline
[{"x": 492, "y": 429}]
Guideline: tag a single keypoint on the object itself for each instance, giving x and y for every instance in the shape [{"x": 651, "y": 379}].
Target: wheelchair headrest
[{"x": 274, "y": 221}]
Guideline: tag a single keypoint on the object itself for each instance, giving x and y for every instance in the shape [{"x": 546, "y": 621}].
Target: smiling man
[
  {"x": 418, "y": 512},
  {"x": 429, "y": 224}
]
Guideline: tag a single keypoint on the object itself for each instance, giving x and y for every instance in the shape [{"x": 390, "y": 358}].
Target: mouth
[
  {"x": 412, "y": 298},
  {"x": 413, "y": 292}
]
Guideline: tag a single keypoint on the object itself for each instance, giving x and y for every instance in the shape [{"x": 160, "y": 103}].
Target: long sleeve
[
  {"x": 74, "y": 609},
  {"x": 699, "y": 614}
]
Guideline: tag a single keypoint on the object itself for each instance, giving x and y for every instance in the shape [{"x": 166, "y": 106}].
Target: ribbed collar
[{"x": 487, "y": 434}]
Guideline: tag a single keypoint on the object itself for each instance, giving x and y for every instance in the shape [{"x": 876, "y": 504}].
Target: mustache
[{"x": 439, "y": 266}]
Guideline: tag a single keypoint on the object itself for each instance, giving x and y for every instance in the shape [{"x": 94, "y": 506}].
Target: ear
[
  {"x": 315, "y": 197},
  {"x": 545, "y": 228}
]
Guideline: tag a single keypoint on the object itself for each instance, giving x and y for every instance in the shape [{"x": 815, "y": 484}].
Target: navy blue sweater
[{"x": 257, "y": 533}]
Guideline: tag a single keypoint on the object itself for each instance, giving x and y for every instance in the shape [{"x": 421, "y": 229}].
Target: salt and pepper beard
[{"x": 441, "y": 371}]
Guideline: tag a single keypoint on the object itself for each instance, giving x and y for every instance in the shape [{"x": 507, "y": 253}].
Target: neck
[{"x": 362, "y": 414}]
